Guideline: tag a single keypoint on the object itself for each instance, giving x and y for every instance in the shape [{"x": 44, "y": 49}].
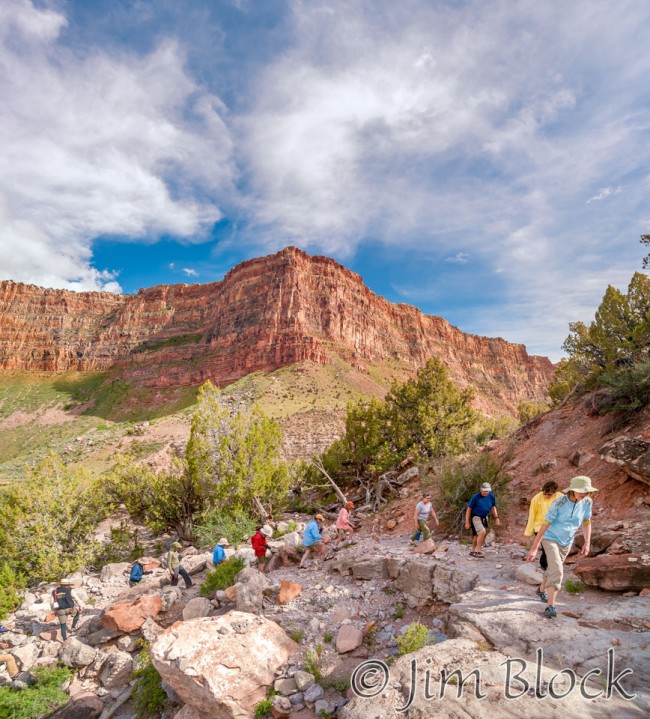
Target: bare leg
[
  {"x": 305, "y": 557},
  {"x": 480, "y": 538}
]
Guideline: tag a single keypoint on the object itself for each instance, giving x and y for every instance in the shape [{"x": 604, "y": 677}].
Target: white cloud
[
  {"x": 171, "y": 265},
  {"x": 460, "y": 258},
  {"x": 190, "y": 272},
  {"x": 427, "y": 125},
  {"x": 604, "y": 193},
  {"x": 98, "y": 145}
]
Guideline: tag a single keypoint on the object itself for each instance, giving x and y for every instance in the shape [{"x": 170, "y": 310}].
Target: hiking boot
[
  {"x": 542, "y": 595},
  {"x": 550, "y": 613}
]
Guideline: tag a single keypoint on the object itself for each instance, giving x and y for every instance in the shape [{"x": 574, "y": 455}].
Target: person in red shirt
[{"x": 258, "y": 540}]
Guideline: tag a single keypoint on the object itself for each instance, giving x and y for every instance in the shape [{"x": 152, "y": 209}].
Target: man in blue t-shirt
[
  {"x": 480, "y": 506},
  {"x": 562, "y": 521}
]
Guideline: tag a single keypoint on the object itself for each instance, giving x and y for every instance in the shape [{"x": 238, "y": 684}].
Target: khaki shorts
[
  {"x": 479, "y": 524},
  {"x": 555, "y": 556}
]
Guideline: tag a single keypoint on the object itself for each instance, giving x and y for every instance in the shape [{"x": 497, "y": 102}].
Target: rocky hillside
[{"x": 265, "y": 314}]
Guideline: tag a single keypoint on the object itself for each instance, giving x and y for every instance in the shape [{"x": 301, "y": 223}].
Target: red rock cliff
[{"x": 265, "y": 313}]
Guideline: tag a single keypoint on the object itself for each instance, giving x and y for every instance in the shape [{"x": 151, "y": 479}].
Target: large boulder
[
  {"x": 415, "y": 578},
  {"x": 529, "y": 574},
  {"x": 116, "y": 670},
  {"x": 632, "y": 454},
  {"x": 615, "y": 572},
  {"x": 601, "y": 540},
  {"x": 75, "y": 653},
  {"x": 348, "y": 638},
  {"x": 208, "y": 662},
  {"x": 197, "y": 607},
  {"x": 85, "y": 706},
  {"x": 170, "y": 595},
  {"x": 129, "y": 617},
  {"x": 392, "y": 691}
]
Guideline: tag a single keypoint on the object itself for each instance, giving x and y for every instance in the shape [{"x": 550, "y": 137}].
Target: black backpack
[{"x": 62, "y": 598}]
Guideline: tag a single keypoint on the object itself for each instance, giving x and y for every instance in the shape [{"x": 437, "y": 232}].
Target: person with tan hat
[
  {"x": 258, "y": 540},
  {"x": 562, "y": 521},
  {"x": 312, "y": 539},
  {"x": 343, "y": 527},
  {"x": 219, "y": 552},
  {"x": 67, "y": 602}
]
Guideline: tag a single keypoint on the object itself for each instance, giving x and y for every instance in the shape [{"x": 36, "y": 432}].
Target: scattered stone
[
  {"x": 426, "y": 547},
  {"x": 303, "y": 680},
  {"x": 286, "y": 686},
  {"x": 391, "y": 524},
  {"x": 288, "y": 591},
  {"x": 281, "y": 707},
  {"x": 348, "y": 638},
  {"x": 114, "y": 571},
  {"x": 170, "y": 595},
  {"x": 314, "y": 693},
  {"x": 529, "y": 574}
]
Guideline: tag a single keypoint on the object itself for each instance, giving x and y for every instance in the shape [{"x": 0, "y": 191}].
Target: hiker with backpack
[
  {"x": 175, "y": 568},
  {"x": 137, "y": 570},
  {"x": 66, "y": 602}
]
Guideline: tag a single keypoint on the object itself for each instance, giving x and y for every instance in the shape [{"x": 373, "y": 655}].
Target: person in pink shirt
[{"x": 343, "y": 525}]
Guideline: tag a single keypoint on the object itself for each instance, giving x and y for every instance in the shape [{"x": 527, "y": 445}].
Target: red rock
[
  {"x": 288, "y": 591},
  {"x": 391, "y": 524},
  {"x": 129, "y": 617},
  {"x": 426, "y": 547},
  {"x": 266, "y": 313},
  {"x": 620, "y": 572},
  {"x": 149, "y": 563},
  {"x": 644, "y": 592}
]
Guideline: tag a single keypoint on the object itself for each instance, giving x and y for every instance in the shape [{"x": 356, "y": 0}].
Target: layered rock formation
[{"x": 266, "y": 313}]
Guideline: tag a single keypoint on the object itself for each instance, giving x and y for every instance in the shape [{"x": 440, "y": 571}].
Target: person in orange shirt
[{"x": 343, "y": 526}]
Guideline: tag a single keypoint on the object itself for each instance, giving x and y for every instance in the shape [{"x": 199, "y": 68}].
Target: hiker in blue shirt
[
  {"x": 219, "y": 553},
  {"x": 480, "y": 506},
  {"x": 312, "y": 539},
  {"x": 137, "y": 570},
  {"x": 562, "y": 521}
]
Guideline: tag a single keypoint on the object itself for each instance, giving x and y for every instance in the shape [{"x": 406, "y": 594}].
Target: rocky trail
[{"x": 305, "y": 632}]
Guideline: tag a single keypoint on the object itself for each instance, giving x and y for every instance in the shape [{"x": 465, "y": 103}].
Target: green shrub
[
  {"x": 123, "y": 545},
  {"x": 222, "y": 576},
  {"x": 574, "y": 586},
  {"x": 327, "y": 637},
  {"x": 628, "y": 388},
  {"x": 399, "y": 610},
  {"x": 312, "y": 665},
  {"x": 529, "y": 409},
  {"x": 297, "y": 635},
  {"x": 149, "y": 697},
  {"x": 11, "y": 585},
  {"x": 236, "y": 527},
  {"x": 38, "y": 700},
  {"x": 291, "y": 527},
  {"x": 263, "y": 709},
  {"x": 458, "y": 480},
  {"x": 415, "y": 637}
]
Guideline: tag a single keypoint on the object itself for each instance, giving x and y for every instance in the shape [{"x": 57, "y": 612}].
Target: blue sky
[{"x": 486, "y": 162}]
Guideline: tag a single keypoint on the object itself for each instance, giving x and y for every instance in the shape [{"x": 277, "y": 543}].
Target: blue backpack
[{"x": 136, "y": 572}]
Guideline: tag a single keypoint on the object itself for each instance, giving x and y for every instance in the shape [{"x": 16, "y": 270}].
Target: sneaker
[
  {"x": 542, "y": 595},
  {"x": 550, "y": 613}
]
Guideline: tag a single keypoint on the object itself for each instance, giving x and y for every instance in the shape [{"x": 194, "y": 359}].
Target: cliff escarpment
[{"x": 266, "y": 313}]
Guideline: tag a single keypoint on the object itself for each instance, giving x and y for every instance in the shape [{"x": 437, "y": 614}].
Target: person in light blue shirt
[
  {"x": 219, "y": 552},
  {"x": 563, "y": 519},
  {"x": 312, "y": 539}
]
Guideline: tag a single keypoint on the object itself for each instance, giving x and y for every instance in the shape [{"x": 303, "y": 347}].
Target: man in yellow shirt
[{"x": 539, "y": 506}]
